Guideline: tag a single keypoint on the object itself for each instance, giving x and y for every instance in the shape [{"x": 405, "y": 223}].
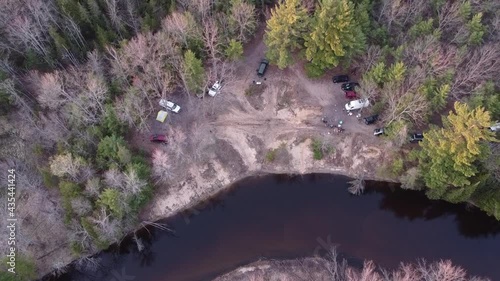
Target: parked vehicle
[
  {"x": 351, "y": 94},
  {"x": 357, "y": 104},
  {"x": 340, "y": 78},
  {"x": 215, "y": 89},
  {"x": 416, "y": 137},
  {"x": 158, "y": 138},
  {"x": 495, "y": 127},
  {"x": 371, "y": 119},
  {"x": 349, "y": 86},
  {"x": 169, "y": 105},
  {"x": 378, "y": 131},
  {"x": 262, "y": 68}
]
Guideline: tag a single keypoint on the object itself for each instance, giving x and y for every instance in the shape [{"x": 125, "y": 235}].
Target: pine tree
[
  {"x": 193, "y": 72},
  {"x": 397, "y": 72},
  {"x": 449, "y": 155},
  {"x": 285, "y": 29},
  {"x": 60, "y": 42},
  {"x": 335, "y": 36},
  {"x": 234, "y": 50},
  {"x": 476, "y": 29}
]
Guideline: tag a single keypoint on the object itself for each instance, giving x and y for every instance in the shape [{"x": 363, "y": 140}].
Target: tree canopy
[
  {"x": 284, "y": 32},
  {"x": 448, "y": 156},
  {"x": 335, "y": 36}
]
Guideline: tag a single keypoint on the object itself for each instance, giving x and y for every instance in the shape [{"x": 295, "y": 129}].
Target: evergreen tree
[
  {"x": 284, "y": 32},
  {"x": 335, "y": 36},
  {"x": 234, "y": 50},
  {"x": 60, "y": 43},
  {"x": 449, "y": 156},
  {"x": 112, "y": 199},
  {"x": 193, "y": 72},
  {"x": 107, "y": 151},
  {"x": 476, "y": 29}
]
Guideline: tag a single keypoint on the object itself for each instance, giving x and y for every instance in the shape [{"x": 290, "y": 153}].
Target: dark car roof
[
  {"x": 158, "y": 137},
  {"x": 262, "y": 67}
]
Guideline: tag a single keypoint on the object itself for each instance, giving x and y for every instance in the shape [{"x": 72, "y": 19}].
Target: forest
[
  {"x": 417, "y": 60},
  {"x": 76, "y": 77}
]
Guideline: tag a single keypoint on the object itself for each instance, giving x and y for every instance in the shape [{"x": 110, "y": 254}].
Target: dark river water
[{"x": 288, "y": 217}]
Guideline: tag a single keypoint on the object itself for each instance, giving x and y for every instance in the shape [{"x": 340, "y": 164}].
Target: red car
[
  {"x": 350, "y": 94},
  {"x": 158, "y": 138}
]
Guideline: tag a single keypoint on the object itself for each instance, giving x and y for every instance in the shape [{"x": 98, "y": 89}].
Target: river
[{"x": 278, "y": 216}]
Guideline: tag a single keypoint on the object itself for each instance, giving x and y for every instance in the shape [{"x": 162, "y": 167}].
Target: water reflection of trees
[{"x": 413, "y": 205}]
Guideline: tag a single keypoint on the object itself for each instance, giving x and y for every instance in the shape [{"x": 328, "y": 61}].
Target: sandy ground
[{"x": 217, "y": 141}]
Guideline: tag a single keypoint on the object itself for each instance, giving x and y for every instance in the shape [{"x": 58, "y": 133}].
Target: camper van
[{"x": 357, "y": 104}]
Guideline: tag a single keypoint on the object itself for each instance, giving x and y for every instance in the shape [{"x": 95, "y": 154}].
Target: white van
[
  {"x": 495, "y": 127},
  {"x": 357, "y": 104}
]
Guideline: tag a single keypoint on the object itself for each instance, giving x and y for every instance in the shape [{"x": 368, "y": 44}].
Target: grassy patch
[
  {"x": 271, "y": 155},
  {"x": 255, "y": 89},
  {"x": 320, "y": 149}
]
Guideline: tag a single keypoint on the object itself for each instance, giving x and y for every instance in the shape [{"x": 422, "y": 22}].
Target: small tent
[{"x": 162, "y": 115}]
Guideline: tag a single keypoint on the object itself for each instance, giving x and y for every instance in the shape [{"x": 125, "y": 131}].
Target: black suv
[
  {"x": 371, "y": 119},
  {"x": 262, "y": 67},
  {"x": 349, "y": 86},
  {"x": 340, "y": 79},
  {"x": 417, "y": 137}
]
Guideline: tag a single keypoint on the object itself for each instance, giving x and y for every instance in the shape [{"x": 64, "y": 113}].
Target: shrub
[
  {"x": 320, "y": 149},
  {"x": 411, "y": 179},
  {"x": 69, "y": 190},
  {"x": 271, "y": 155},
  {"x": 76, "y": 249},
  {"x": 313, "y": 71}
]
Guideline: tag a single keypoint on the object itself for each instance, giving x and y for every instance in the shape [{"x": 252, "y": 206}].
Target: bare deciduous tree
[
  {"x": 27, "y": 24},
  {"x": 357, "y": 186},
  {"x": 404, "y": 101},
  {"x": 401, "y": 13},
  {"x": 478, "y": 65},
  {"x": 181, "y": 27},
  {"x": 93, "y": 187},
  {"x": 449, "y": 16},
  {"x": 242, "y": 20},
  {"x": 161, "y": 165},
  {"x": 133, "y": 184},
  {"x": 109, "y": 228},
  {"x": 131, "y": 110},
  {"x": 81, "y": 206},
  {"x": 211, "y": 39},
  {"x": 493, "y": 161},
  {"x": 115, "y": 15},
  {"x": 114, "y": 178},
  {"x": 66, "y": 165},
  {"x": 371, "y": 57}
]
